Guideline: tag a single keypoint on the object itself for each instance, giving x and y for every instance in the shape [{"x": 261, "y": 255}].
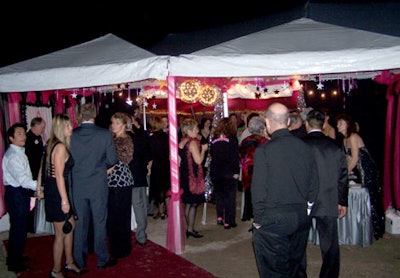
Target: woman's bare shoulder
[{"x": 356, "y": 140}]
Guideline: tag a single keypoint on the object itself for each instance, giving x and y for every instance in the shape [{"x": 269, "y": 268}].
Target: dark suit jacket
[
  {"x": 141, "y": 156},
  {"x": 333, "y": 178},
  {"x": 93, "y": 150},
  {"x": 34, "y": 152}
]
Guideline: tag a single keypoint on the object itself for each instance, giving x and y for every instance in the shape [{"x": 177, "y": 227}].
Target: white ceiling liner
[
  {"x": 102, "y": 61},
  {"x": 300, "y": 47}
]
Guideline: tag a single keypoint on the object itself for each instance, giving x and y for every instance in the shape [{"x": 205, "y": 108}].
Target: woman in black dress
[
  {"x": 191, "y": 173},
  {"x": 204, "y": 137},
  {"x": 160, "y": 177},
  {"x": 224, "y": 171},
  {"x": 57, "y": 191},
  {"x": 362, "y": 166}
]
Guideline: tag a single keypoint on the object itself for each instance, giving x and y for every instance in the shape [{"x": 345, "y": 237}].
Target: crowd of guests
[{"x": 291, "y": 166}]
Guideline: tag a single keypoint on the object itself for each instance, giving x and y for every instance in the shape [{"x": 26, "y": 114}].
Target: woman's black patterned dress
[{"x": 367, "y": 174}]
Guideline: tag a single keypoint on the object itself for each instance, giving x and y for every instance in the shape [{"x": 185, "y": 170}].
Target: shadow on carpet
[{"x": 151, "y": 260}]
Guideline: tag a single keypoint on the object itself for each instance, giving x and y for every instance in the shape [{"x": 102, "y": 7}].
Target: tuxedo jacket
[{"x": 333, "y": 174}]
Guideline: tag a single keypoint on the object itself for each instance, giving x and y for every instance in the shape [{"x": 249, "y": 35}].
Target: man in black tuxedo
[
  {"x": 93, "y": 150},
  {"x": 332, "y": 199},
  {"x": 34, "y": 147},
  {"x": 285, "y": 180}
]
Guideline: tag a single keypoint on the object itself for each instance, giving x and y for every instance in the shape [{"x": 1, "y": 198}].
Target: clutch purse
[{"x": 67, "y": 227}]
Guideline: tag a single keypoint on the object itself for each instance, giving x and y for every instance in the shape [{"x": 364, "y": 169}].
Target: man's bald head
[{"x": 277, "y": 117}]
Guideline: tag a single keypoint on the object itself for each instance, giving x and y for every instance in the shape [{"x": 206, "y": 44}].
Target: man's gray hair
[{"x": 256, "y": 124}]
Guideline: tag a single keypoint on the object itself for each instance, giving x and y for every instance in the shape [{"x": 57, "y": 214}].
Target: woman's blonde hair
[
  {"x": 188, "y": 124},
  {"x": 57, "y": 131},
  {"x": 122, "y": 117}
]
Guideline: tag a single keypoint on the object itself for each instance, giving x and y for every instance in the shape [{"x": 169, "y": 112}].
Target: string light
[{"x": 129, "y": 100}]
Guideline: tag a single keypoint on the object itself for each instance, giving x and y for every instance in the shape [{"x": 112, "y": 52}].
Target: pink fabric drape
[
  {"x": 396, "y": 155},
  {"x": 14, "y": 104},
  {"x": 31, "y": 97},
  {"x": 391, "y": 171},
  {"x": 59, "y": 105},
  {"x": 175, "y": 239}
]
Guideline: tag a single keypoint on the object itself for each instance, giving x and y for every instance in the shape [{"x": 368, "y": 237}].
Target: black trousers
[
  {"x": 17, "y": 202},
  {"x": 225, "y": 200},
  {"x": 280, "y": 244},
  {"x": 119, "y": 221},
  {"x": 248, "y": 207},
  {"x": 329, "y": 244}
]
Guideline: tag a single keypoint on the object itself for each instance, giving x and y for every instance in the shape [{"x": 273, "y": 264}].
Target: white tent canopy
[
  {"x": 300, "y": 47},
  {"x": 102, "y": 61}
]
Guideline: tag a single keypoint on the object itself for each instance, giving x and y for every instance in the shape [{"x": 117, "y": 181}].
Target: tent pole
[{"x": 175, "y": 239}]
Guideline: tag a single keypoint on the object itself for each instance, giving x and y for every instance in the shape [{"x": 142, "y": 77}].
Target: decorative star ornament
[
  {"x": 154, "y": 106},
  {"x": 285, "y": 85},
  {"x": 145, "y": 103},
  {"x": 74, "y": 95},
  {"x": 320, "y": 86}
]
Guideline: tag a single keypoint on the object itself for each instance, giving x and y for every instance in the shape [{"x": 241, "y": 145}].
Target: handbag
[
  {"x": 120, "y": 176},
  {"x": 67, "y": 227},
  {"x": 41, "y": 226}
]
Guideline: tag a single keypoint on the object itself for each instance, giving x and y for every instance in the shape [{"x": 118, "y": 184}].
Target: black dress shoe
[
  {"x": 110, "y": 263},
  {"x": 24, "y": 259},
  {"x": 19, "y": 269}
]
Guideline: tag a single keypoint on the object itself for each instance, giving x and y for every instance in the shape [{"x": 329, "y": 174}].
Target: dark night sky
[{"x": 34, "y": 29}]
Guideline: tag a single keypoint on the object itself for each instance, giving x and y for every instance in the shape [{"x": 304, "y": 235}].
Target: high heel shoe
[
  {"x": 193, "y": 234},
  {"x": 73, "y": 268},
  {"x": 56, "y": 274}
]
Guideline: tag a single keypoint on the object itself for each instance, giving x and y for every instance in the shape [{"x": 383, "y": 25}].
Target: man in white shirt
[{"x": 17, "y": 178}]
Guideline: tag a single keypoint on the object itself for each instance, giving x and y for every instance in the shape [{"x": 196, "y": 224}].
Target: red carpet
[{"x": 151, "y": 260}]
